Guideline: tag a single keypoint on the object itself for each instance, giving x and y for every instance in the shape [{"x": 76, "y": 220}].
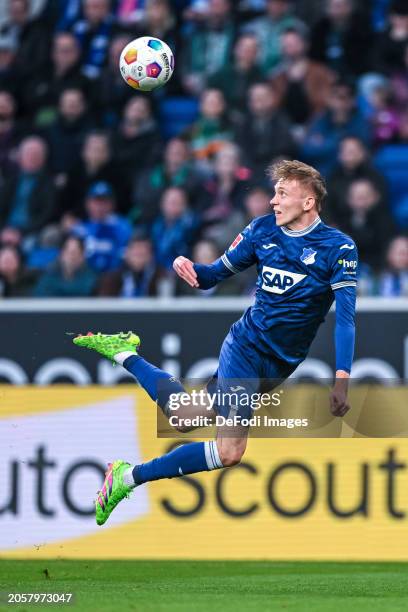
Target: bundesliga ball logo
[{"x": 146, "y": 63}]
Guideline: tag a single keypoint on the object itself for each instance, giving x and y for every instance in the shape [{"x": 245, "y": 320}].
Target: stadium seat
[
  {"x": 176, "y": 114},
  {"x": 41, "y": 257},
  {"x": 392, "y": 161},
  {"x": 401, "y": 212}
]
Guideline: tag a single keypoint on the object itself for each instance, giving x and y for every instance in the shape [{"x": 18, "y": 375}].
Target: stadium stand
[{"x": 268, "y": 78}]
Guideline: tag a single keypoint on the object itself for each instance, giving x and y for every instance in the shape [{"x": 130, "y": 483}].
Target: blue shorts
[{"x": 243, "y": 370}]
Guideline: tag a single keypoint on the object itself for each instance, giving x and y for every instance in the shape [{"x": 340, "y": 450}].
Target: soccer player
[{"x": 302, "y": 266}]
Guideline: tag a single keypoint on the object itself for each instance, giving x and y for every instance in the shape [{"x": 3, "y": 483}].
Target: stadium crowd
[{"x": 102, "y": 187}]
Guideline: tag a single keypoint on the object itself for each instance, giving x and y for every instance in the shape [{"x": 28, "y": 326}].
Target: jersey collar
[{"x": 302, "y": 232}]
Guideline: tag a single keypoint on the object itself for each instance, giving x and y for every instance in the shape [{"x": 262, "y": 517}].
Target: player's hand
[
  {"x": 339, "y": 405},
  {"x": 185, "y": 270}
]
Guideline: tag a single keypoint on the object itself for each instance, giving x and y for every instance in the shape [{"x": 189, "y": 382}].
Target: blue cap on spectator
[{"x": 100, "y": 190}]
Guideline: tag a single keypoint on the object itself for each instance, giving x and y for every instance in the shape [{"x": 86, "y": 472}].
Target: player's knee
[
  {"x": 231, "y": 455},
  {"x": 182, "y": 428}
]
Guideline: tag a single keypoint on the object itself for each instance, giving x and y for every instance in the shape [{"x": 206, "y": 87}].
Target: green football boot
[
  {"x": 112, "y": 492},
  {"x": 109, "y": 345}
]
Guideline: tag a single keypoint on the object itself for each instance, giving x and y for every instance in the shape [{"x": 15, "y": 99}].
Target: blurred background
[{"x": 101, "y": 188}]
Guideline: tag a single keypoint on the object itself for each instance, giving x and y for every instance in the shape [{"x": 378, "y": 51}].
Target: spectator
[
  {"x": 385, "y": 117},
  {"x": 268, "y": 30},
  {"x": 402, "y": 135},
  {"x": 28, "y": 199},
  {"x": 42, "y": 93},
  {"x": 137, "y": 143},
  {"x": 15, "y": 280},
  {"x": 93, "y": 32},
  {"x": 138, "y": 277},
  {"x": 302, "y": 85},
  {"x": 174, "y": 229},
  {"x": 160, "y": 22},
  {"x": 11, "y": 236},
  {"x": 9, "y": 135},
  {"x": 176, "y": 170},
  {"x": 235, "y": 78},
  {"x": 129, "y": 12},
  {"x": 341, "y": 119},
  {"x": 392, "y": 43},
  {"x": 31, "y": 37},
  {"x": 265, "y": 133},
  {"x": 68, "y": 12},
  {"x": 399, "y": 83},
  {"x": 105, "y": 234},
  {"x": 353, "y": 164},
  {"x": 69, "y": 276},
  {"x": 209, "y": 46},
  {"x": 205, "y": 252},
  {"x": 46, "y": 248},
  {"x": 343, "y": 39},
  {"x": 66, "y": 135},
  {"x": 8, "y": 51},
  {"x": 94, "y": 165},
  {"x": 212, "y": 129},
  {"x": 255, "y": 204},
  {"x": 224, "y": 193},
  {"x": 113, "y": 92},
  {"x": 393, "y": 282},
  {"x": 368, "y": 222}
]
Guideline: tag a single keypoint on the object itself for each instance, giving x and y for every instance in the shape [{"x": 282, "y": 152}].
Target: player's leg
[
  {"x": 160, "y": 385},
  {"x": 122, "y": 477},
  {"x": 231, "y": 444}
]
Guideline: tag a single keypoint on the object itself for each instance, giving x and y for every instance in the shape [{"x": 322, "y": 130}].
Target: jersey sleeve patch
[
  {"x": 236, "y": 242},
  {"x": 344, "y": 270}
]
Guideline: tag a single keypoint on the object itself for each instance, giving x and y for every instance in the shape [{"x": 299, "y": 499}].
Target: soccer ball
[{"x": 146, "y": 63}]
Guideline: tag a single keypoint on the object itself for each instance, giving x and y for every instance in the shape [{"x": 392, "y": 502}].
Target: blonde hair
[{"x": 294, "y": 170}]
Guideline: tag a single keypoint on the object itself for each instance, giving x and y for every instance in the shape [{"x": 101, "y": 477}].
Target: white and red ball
[{"x": 146, "y": 63}]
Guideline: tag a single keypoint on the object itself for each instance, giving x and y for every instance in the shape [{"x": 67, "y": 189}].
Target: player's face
[{"x": 290, "y": 202}]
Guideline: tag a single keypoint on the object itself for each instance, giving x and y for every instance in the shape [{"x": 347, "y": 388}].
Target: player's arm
[
  {"x": 343, "y": 280},
  {"x": 198, "y": 275},
  {"x": 344, "y": 337},
  {"x": 239, "y": 256}
]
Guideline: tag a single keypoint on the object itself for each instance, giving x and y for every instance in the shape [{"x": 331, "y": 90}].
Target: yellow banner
[{"x": 289, "y": 499}]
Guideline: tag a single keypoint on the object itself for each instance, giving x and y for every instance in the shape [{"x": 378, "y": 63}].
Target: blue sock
[
  {"x": 185, "y": 459},
  {"x": 159, "y": 385}
]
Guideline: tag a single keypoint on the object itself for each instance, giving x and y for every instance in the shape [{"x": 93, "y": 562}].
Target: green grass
[{"x": 211, "y": 586}]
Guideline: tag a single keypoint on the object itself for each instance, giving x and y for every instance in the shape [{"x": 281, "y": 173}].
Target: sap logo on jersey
[{"x": 279, "y": 281}]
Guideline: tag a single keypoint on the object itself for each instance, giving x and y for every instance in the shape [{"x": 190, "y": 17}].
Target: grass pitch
[{"x": 218, "y": 586}]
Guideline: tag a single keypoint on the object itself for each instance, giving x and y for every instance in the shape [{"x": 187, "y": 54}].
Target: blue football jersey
[{"x": 298, "y": 272}]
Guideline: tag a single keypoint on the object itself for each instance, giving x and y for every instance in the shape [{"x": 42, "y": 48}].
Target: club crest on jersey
[
  {"x": 279, "y": 281},
  {"x": 308, "y": 256},
  {"x": 236, "y": 242}
]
